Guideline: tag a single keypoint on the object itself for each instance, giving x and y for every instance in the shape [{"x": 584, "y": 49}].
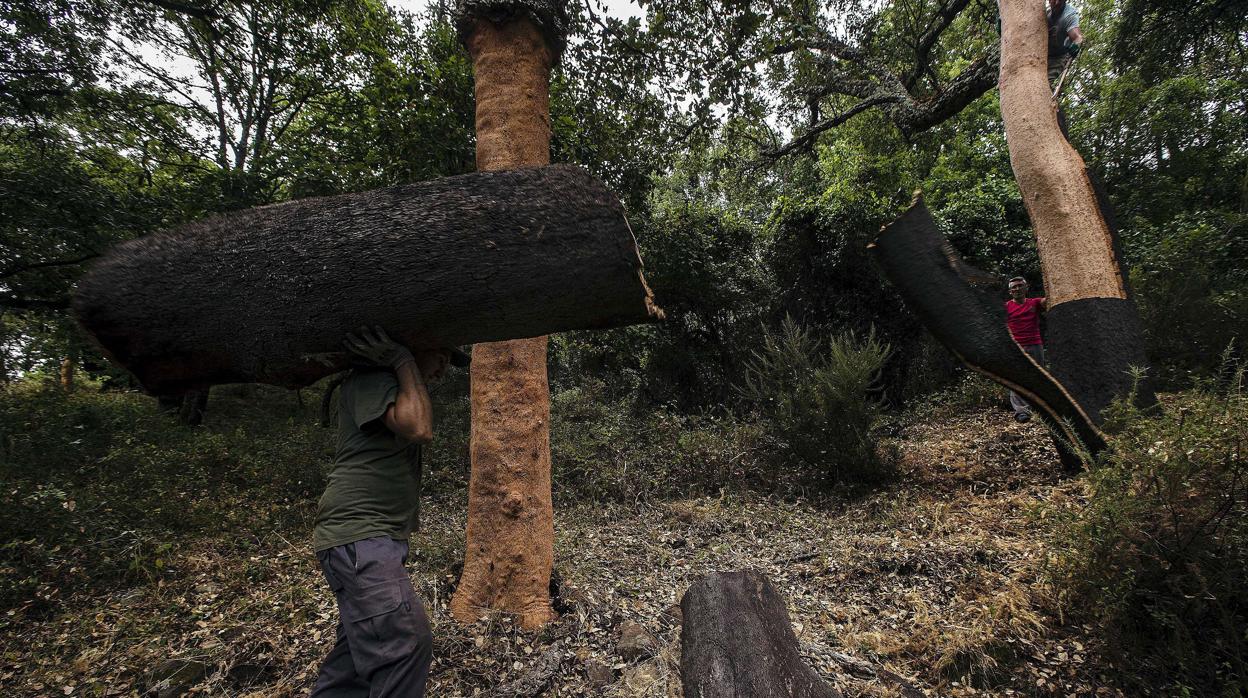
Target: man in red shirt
[{"x": 1022, "y": 317}]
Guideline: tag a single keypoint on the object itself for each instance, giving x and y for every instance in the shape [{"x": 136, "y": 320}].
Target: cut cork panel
[{"x": 962, "y": 307}]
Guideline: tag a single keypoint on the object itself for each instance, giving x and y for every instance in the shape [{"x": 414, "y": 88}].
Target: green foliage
[
  {"x": 48, "y": 48},
  {"x": 411, "y": 119},
  {"x": 1192, "y": 288},
  {"x": 99, "y": 486},
  {"x": 1159, "y": 553},
  {"x": 987, "y": 224},
  {"x": 602, "y": 450},
  {"x": 828, "y": 283},
  {"x": 813, "y": 396},
  {"x": 703, "y": 265}
]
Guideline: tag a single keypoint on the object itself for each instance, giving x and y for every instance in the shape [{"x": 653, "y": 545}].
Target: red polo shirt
[{"x": 1023, "y": 319}]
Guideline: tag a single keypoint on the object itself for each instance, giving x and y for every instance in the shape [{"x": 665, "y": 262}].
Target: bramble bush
[
  {"x": 813, "y": 397},
  {"x": 1159, "y": 554}
]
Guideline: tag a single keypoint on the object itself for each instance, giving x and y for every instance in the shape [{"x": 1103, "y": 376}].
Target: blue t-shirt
[{"x": 1059, "y": 29}]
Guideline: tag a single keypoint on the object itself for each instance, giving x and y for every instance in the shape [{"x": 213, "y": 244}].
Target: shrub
[
  {"x": 1160, "y": 552},
  {"x": 1191, "y": 285},
  {"x": 603, "y": 450},
  {"x": 814, "y": 398},
  {"x": 100, "y": 487}
]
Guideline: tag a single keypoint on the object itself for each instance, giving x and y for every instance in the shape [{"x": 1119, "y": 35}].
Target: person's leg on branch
[{"x": 1056, "y": 65}]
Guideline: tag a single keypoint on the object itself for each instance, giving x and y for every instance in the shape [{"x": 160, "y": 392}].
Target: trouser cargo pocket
[{"x": 383, "y": 624}]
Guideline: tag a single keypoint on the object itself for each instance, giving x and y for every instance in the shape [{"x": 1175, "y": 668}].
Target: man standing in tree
[
  {"x": 1022, "y": 317},
  {"x": 1065, "y": 39},
  {"x": 370, "y": 507}
]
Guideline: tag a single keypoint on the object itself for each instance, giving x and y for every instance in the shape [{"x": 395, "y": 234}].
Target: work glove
[
  {"x": 375, "y": 347},
  {"x": 1073, "y": 50}
]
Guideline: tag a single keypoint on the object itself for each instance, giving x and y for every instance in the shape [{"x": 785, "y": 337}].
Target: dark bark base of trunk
[
  {"x": 961, "y": 306},
  {"x": 266, "y": 295},
  {"x": 1093, "y": 345},
  {"x": 736, "y": 642}
]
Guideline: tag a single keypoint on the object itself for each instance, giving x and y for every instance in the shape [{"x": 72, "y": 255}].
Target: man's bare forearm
[{"x": 413, "y": 412}]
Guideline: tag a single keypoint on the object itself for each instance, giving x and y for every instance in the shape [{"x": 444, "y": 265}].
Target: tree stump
[{"x": 737, "y": 642}]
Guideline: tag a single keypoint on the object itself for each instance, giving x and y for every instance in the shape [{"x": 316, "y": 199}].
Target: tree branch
[
  {"x": 204, "y": 13},
  {"x": 914, "y": 116},
  {"x": 15, "y": 302},
  {"x": 21, "y": 268},
  {"x": 812, "y": 132},
  {"x": 948, "y": 12}
]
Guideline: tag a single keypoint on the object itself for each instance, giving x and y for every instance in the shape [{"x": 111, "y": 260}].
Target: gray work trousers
[
  {"x": 384, "y": 646},
  {"x": 1035, "y": 351},
  {"x": 1056, "y": 65}
]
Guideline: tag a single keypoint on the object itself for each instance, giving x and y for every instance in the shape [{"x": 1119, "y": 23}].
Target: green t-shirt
[{"x": 374, "y": 488}]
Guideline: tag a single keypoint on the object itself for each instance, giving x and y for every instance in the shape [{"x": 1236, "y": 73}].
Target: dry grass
[{"x": 935, "y": 578}]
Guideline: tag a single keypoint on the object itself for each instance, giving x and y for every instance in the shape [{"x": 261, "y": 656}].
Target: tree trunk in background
[
  {"x": 509, "y": 550},
  {"x": 1095, "y": 335},
  {"x": 736, "y": 640},
  {"x": 194, "y": 405},
  {"x": 67, "y": 375}
]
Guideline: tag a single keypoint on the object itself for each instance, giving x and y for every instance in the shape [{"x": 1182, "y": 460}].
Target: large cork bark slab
[
  {"x": 1092, "y": 347},
  {"x": 266, "y": 295},
  {"x": 736, "y": 642},
  {"x": 963, "y": 309},
  {"x": 509, "y": 551}
]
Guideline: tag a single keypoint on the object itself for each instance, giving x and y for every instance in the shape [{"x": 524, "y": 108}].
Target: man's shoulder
[
  {"x": 363, "y": 376},
  {"x": 364, "y": 381}
]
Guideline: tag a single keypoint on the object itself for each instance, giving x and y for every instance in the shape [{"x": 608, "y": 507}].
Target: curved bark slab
[
  {"x": 736, "y": 641},
  {"x": 265, "y": 295},
  {"x": 950, "y": 299}
]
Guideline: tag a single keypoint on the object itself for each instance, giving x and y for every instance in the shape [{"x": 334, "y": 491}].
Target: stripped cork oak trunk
[
  {"x": 509, "y": 549},
  {"x": 1095, "y": 335}
]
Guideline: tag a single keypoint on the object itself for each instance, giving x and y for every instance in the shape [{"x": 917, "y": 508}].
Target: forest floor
[{"x": 933, "y": 585}]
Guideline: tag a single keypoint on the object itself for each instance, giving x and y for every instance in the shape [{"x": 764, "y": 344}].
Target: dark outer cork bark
[
  {"x": 958, "y": 304},
  {"x": 1091, "y": 348},
  {"x": 265, "y": 295}
]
